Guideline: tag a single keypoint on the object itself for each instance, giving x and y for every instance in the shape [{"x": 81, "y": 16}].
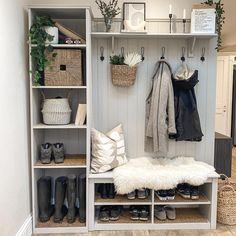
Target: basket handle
[{"x": 228, "y": 186}]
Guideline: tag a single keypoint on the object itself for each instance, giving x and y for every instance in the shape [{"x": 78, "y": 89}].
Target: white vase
[{"x": 53, "y": 31}]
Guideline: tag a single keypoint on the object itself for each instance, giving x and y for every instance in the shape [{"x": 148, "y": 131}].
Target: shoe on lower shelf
[
  {"x": 134, "y": 213},
  {"x": 131, "y": 195},
  {"x": 104, "y": 214},
  {"x": 143, "y": 213},
  {"x": 184, "y": 190},
  {"x": 194, "y": 192},
  {"x": 142, "y": 193},
  {"x": 170, "y": 194},
  {"x": 45, "y": 153},
  {"x": 170, "y": 212},
  {"x": 115, "y": 213},
  {"x": 160, "y": 213},
  {"x": 161, "y": 194}
]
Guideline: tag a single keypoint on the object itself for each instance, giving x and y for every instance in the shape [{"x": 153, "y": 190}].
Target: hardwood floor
[{"x": 221, "y": 230}]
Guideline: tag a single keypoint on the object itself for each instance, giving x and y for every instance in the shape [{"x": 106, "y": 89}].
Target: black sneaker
[
  {"x": 134, "y": 213},
  {"x": 115, "y": 213},
  {"x": 171, "y": 194},
  {"x": 194, "y": 192},
  {"x": 161, "y": 194},
  {"x": 104, "y": 214},
  {"x": 184, "y": 191},
  {"x": 143, "y": 213}
]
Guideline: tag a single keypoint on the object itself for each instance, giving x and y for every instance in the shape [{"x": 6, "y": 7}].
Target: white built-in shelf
[
  {"x": 69, "y": 126},
  {"x": 64, "y": 45},
  {"x": 59, "y": 87},
  {"x": 150, "y": 35}
]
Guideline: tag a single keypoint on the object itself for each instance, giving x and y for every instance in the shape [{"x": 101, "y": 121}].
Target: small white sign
[{"x": 203, "y": 21}]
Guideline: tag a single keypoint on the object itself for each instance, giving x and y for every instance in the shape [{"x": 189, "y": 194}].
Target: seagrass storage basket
[
  {"x": 56, "y": 111},
  {"x": 226, "y": 209},
  {"x": 123, "y": 75},
  {"x": 64, "y": 69}
]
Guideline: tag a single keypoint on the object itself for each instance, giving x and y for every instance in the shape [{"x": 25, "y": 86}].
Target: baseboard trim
[{"x": 26, "y": 228}]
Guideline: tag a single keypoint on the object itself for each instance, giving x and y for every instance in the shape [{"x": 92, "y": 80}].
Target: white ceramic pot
[{"x": 54, "y": 32}]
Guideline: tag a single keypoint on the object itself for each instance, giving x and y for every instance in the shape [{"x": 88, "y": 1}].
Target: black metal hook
[
  {"x": 183, "y": 54},
  {"x": 203, "y": 54},
  {"x": 163, "y": 49},
  {"x": 122, "y": 52},
  {"x": 142, "y": 54},
  {"x": 102, "y": 53}
]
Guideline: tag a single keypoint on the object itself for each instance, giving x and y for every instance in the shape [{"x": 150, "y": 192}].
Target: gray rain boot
[
  {"x": 58, "y": 152},
  {"x": 82, "y": 197},
  {"x": 71, "y": 198},
  {"x": 44, "y": 198},
  {"x": 60, "y": 193},
  {"x": 46, "y": 153}
]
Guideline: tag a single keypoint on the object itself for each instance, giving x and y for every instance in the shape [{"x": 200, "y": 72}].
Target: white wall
[{"x": 14, "y": 157}]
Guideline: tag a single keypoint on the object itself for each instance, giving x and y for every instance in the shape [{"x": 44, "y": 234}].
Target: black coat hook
[
  {"x": 102, "y": 53},
  {"x": 183, "y": 54},
  {"x": 122, "y": 52},
  {"x": 163, "y": 49},
  {"x": 142, "y": 54},
  {"x": 203, "y": 54}
]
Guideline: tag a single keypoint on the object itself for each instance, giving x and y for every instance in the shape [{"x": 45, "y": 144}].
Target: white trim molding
[{"x": 26, "y": 228}]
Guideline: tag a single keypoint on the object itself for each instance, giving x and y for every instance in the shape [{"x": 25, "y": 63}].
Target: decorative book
[{"x": 81, "y": 114}]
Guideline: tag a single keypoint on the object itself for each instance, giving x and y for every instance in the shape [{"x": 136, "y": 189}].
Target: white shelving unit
[{"x": 76, "y": 139}]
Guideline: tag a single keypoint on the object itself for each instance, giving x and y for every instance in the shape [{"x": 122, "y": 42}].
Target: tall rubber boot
[
  {"x": 82, "y": 198},
  {"x": 60, "y": 193},
  {"x": 44, "y": 198},
  {"x": 71, "y": 198}
]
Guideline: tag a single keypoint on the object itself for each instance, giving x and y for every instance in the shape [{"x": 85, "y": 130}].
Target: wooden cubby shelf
[
  {"x": 181, "y": 201},
  {"x": 59, "y": 87},
  {"x": 69, "y": 126},
  {"x": 64, "y": 45},
  {"x": 122, "y": 200},
  {"x": 70, "y": 161}
]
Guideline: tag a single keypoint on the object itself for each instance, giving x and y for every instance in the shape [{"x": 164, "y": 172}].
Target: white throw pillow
[{"x": 108, "y": 150}]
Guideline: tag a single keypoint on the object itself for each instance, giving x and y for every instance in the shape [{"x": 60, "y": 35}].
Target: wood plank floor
[{"x": 220, "y": 231}]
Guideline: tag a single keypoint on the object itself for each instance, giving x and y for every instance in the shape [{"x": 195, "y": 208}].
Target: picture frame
[{"x": 134, "y": 17}]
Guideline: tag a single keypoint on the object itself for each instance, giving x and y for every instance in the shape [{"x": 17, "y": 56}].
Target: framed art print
[{"x": 134, "y": 17}]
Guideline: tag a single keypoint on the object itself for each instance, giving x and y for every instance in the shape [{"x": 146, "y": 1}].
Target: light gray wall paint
[{"x": 14, "y": 122}]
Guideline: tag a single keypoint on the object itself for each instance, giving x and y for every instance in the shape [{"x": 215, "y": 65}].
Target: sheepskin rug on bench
[{"x": 160, "y": 173}]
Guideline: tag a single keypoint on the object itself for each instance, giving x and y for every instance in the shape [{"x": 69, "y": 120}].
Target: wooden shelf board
[
  {"x": 122, "y": 200},
  {"x": 185, "y": 215},
  {"x": 150, "y": 35},
  {"x": 69, "y": 126},
  {"x": 181, "y": 201},
  {"x": 59, "y": 87},
  {"x": 64, "y": 45},
  {"x": 125, "y": 219},
  {"x": 64, "y": 223},
  {"x": 70, "y": 161}
]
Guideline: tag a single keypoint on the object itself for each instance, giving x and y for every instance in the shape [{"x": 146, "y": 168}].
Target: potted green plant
[
  {"x": 40, "y": 45},
  {"x": 109, "y": 11}
]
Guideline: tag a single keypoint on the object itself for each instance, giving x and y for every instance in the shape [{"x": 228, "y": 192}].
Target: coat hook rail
[
  {"x": 142, "y": 54},
  {"x": 163, "y": 50},
  {"x": 102, "y": 53}
]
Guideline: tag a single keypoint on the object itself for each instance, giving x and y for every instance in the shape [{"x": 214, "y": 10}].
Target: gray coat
[{"x": 160, "y": 113}]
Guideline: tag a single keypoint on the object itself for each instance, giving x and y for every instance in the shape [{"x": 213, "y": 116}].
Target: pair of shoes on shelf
[
  {"x": 49, "y": 151},
  {"x": 188, "y": 191},
  {"x": 107, "y": 191},
  {"x": 164, "y": 212},
  {"x": 164, "y": 195},
  {"x": 139, "y": 213},
  {"x": 65, "y": 188},
  {"x": 110, "y": 213},
  {"x": 139, "y": 193}
]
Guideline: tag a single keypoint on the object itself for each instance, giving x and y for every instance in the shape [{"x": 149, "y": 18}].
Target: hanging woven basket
[
  {"x": 226, "y": 205},
  {"x": 123, "y": 75}
]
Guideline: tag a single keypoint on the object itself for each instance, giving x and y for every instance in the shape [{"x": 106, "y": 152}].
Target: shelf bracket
[
  {"x": 112, "y": 44},
  {"x": 191, "y": 46}
]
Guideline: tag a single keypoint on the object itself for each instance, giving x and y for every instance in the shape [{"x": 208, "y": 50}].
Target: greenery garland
[{"x": 220, "y": 19}]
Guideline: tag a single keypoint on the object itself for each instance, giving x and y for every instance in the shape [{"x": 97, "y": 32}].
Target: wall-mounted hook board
[{"x": 191, "y": 46}]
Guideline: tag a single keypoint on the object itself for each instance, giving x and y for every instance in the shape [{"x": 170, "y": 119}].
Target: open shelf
[
  {"x": 69, "y": 126},
  {"x": 185, "y": 215},
  {"x": 59, "y": 87},
  {"x": 125, "y": 219},
  {"x": 63, "y": 45},
  {"x": 122, "y": 199},
  {"x": 70, "y": 161},
  {"x": 181, "y": 201}
]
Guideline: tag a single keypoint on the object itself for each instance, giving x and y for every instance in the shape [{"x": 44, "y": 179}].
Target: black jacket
[{"x": 186, "y": 114}]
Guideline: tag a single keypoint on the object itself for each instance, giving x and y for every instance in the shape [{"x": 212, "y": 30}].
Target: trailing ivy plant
[
  {"x": 38, "y": 37},
  {"x": 117, "y": 60},
  {"x": 220, "y": 19}
]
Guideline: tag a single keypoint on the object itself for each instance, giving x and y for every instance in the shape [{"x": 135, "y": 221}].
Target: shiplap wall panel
[{"x": 113, "y": 105}]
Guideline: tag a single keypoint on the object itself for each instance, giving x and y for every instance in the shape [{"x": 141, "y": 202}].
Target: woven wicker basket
[
  {"x": 123, "y": 75},
  {"x": 226, "y": 210},
  {"x": 56, "y": 111},
  {"x": 64, "y": 69}
]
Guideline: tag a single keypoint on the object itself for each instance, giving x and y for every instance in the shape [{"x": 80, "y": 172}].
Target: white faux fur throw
[{"x": 161, "y": 173}]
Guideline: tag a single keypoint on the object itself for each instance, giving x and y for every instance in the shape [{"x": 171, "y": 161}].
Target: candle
[
  {"x": 184, "y": 14},
  {"x": 170, "y": 9}
]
